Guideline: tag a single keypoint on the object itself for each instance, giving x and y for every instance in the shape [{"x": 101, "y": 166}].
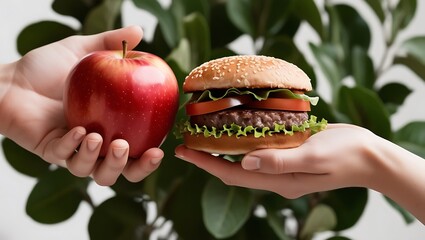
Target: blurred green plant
[{"x": 190, "y": 32}]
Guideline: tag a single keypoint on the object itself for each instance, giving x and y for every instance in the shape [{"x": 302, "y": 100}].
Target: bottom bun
[{"x": 235, "y": 146}]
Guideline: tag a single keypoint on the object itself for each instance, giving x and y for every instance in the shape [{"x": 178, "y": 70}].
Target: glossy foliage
[{"x": 190, "y": 32}]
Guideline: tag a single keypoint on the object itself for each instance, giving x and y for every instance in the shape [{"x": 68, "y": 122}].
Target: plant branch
[
  {"x": 88, "y": 199},
  {"x": 388, "y": 38}
]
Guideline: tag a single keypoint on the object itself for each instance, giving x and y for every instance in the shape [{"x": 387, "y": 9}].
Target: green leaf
[
  {"x": 157, "y": 45},
  {"x": 259, "y": 94},
  {"x": 307, "y": 10},
  {"x": 348, "y": 205},
  {"x": 123, "y": 187},
  {"x": 225, "y": 208},
  {"x": 22, "y": 160},
  {"x": 41, "y": 33},
  {"x": 415, "y": 47},
  {"x": 393, "y": 95},
  {"x": 257, "y": 228},
  {"x": 412, "y": 137},
  {"x": 326, "y": 57},
  {"x": 345, "y": 24},
  {"x": 277, "y": 222},
  {"x": 334, "y": 28},
  {"x": 364, "y": 108},
  {"x": 239, "y": 12},
  {"x": 162, "y": 183},
  {"x": 413, "y": 64},
  {"x": 221, "y": 52},
  {"x": 291, "y": 26},
  {"x": 182, "y": 8},
  {"x": 238, "y": 131},
  {"x": 194, "y": 25},
  {"x": 274, "y": 204},
  {"x": 376, "y": 6},
  {"x": 181, "y": 55},
  {"x": 104, "y": 17},
  {"x": 166, "y": 21},
  {"x": 259, "y": 18},
  {"x": 363, "y": 70},
  {"x": 352, "y": 24},
  {"x": 402, "y": 15},
  {"x": 56, "y": 196},
  {"x": 412, "y": 132},
  {"x": 300, "y": 206},
  {"x": 119, "y": 218},
  {"x": 182, "y": 202},
  {"x": 321, "y": 218},
  {"x": 271, "y": 15},
  {"x": 222, "y": 30},
  {"x": 408, "y": 218},
  {"x": 77, "y": 8},
  {"x": 324, "y": 110},
  {"x": 197, "y": 33},
  {"x": 338, "y": 238}
]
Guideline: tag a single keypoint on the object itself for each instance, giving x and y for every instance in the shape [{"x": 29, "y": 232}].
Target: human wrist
[
  {"x": 368, "y": 162},
  {"x": 401, "y": 177},
  {"x": 395, "y": 170},
  {"x": 382, "y": 166}
]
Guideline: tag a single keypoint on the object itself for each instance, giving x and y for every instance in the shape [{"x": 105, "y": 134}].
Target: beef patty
[{"x": 250, "y": 117}]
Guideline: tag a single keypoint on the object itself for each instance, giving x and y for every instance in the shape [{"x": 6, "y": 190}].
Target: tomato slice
[
  {"x": 285, "y": 104},
  {"x": 218, "y": 105}
]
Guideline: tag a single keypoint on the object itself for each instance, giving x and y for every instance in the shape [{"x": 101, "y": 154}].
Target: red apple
[{"x": 123, "y": 95}]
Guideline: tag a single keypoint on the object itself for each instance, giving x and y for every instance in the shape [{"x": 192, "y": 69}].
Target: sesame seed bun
[{"x": 246, "y": 71}]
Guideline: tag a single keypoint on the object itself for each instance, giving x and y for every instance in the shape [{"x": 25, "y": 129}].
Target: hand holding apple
[{"x": 122, "y": 95}]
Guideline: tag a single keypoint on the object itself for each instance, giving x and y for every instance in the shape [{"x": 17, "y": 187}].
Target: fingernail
[
  {"x": 78, "y": 135},
  {"x": 92, "y": 144},
  {"x": 179, "y": 156},
  {"x": 119, "y": 152},
  {"x": 251, "y": 163},
  {"x": 156, "y": 161}
]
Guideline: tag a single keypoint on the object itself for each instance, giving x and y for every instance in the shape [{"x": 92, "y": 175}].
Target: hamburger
[{"x": 242, "y": 103}]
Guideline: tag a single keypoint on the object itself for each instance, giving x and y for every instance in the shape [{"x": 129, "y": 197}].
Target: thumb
[
  {"x": 109, "y": 40},
  {"x": 112, "y": 40},
  {"x": 277, "y": 161}
]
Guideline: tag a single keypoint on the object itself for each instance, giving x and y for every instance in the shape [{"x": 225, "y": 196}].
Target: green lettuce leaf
[
  {"x": 259, "y": 94},
  {"x": 239, "y": 131}
]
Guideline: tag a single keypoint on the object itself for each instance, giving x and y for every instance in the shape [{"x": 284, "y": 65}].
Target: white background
[{"x": 379, "y": 221}]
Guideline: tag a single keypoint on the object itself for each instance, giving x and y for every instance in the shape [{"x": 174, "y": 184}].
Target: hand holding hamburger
[{"x": 243, "y": 103}]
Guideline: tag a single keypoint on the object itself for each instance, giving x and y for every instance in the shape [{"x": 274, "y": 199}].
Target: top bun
[{"x": 246, "y": 71}]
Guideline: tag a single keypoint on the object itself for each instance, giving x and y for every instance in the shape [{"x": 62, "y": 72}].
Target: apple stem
[{"x": 124, "y": 48}]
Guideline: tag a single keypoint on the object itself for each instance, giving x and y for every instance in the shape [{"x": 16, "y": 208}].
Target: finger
[
  {"x": 214, "y": 165},
  {"x": 110, "y": 40},
  {"x": 108, "y": 171},
  {"x": 303, "y": 159},
  {"x": 84, "y": 161},
  {"x": 137, "y": 169},
  {"x": 192, "y": 156},
  {"x": 113, "y": 39},
  {"x": 279, "y": 161},
  {"x": 59, "y": 149}
]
